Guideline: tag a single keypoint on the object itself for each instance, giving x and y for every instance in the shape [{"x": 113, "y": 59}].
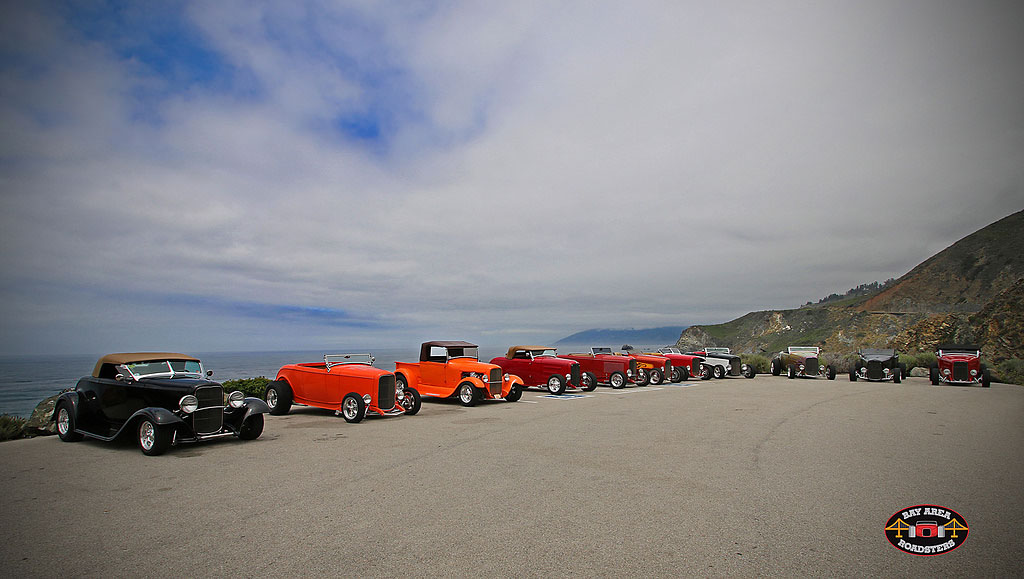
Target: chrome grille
[
  {"x": 574, "y": 374},
  {"x": 668, "y": 369},
  {"x": 632, "y": 368},
  {"x": 209, "y": 418},
  {"x": 811, "y": 366},
  {"x": 695, "y": 367},
  {"x": 735, "y": 365},
  {"x": 386, "y": 392},
  {"x": 874, "y": 369},
  {"x": 495, "y": 380},
  {"x": 960, "y": 372}
]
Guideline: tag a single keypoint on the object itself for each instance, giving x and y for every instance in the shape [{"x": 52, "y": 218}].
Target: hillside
[{"x": 971, "y": 291}]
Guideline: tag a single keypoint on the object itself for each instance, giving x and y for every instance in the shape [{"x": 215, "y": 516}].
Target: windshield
[
  {"x": 803, "y": 350},
  {"x": 338, "y": 359},
  {"x": 464, "y": 353},
  {"x": 550, "y": 352},
  {"x": 601, "y": 350},
  {"x": 670, "y": 351},
  {"x": 717, "y": 350},
  {"x": 163, "y": 368}
]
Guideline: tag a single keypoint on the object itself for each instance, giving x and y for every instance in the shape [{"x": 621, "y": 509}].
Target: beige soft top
[
  {"x": 512, "y": 351},
  {"x": 128, "y": 358}
]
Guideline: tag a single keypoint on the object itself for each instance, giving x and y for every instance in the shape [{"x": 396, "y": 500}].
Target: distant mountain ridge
[
  {"x": 616, "y": 338},
  {"x": 972, "y": 291}
]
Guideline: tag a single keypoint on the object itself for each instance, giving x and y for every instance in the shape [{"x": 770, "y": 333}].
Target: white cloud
[{"x": 539, "y": 168}]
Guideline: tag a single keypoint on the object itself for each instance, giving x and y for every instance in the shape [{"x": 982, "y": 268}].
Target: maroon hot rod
[
  {"x": 959, "y": 364},
  {"x": 600, "y": 365},
  {"x": 541, "y": 367}
]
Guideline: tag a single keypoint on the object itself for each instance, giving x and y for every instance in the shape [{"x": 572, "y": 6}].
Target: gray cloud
[{"x": 485, "y": 173}]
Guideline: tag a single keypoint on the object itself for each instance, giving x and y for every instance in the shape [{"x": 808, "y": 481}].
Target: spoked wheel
[
  {"x": 66, "y": 424},
  {"x": 411, "y": 401},
  {"x": 153, "y": 439},
  {"x": 643, "y": 378},
  {"x": 556, "y": 384},
  {"x": 719, "y": 372},
  {"x": 588, "y": 382},
  {"x": 657, "y": 377},
  {"x": 278, "y": 397},
  {"x": 617, "y": 380},
  {"x": 468, "y": 394},
  {"x": 353, "y": 409}
]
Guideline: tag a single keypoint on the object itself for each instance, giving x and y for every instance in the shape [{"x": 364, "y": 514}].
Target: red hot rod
[
  {"x": 959, "y": 364},
  {"x": 541, "y": 367},
  {"x": 600, "y": 365}
]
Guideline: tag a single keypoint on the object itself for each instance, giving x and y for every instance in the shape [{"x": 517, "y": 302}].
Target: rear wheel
[
  {"x": 278, "y": 397},
  {"x": 617, "y": 380},
  {"x": 468, "y": 394},
  {"x": 153, "y": 438},
  {"x": 252, "y": 427},
  {"x": 65, "y": 419},
  {"x": 353, "y": 409},
  {"x": 588, "y": 382},
  {"x": 556, "y": 384},
  {"x": 657, "y": 377}
]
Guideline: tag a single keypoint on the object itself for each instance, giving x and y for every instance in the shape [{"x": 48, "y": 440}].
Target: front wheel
[
  {"x": 719, "y": 372},
  {"x": 679, "y": 374},
  {"x": 353, "y": 409},
  {"x": 776, "y": 367},
  {"x": 556, "y": 384},
  {"x": 853, "y": 374},
  {"x": 411, "y": 401},
  {"x": 468, "y": 394},
  {"x": 986, "y": 379},
  {"x": 830, "y": 372},
  {"x": 705, "y": 372},
  {"x": 252, "y": 427},
  {"x": 643, "y": 378},
  {"x": 278, "y": 397},
  {"x": 588, "y": 382},
  {"x": 897, "y": 376},
  {"x": 657, "y": 377},
  {"x": 933, "y": 374},
  {"x": 617, "y": 380},
  {"x": 66, "y": 424},
  {"x": 153, "y": 439},
  {"x": 515, "y": 393},
  {"x": 750, "y": 372},
  {"x": 792, "y": 371}
]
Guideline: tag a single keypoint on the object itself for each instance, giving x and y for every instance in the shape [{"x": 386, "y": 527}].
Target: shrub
[
  {"x": 248, "y": 386},
  {"x": 1010, "y": 371},
  {"x": 918, "y": 360},
  {"x": 11, "y": 427},
  {"x": 759, "y": 362}
]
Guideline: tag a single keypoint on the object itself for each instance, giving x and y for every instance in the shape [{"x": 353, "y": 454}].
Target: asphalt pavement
[{"x": 737, "y": 477}]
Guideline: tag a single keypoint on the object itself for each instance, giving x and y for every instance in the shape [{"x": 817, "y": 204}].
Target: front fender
[
  {"x": 68, "y": 398},
  {"x": 159, "y": 416},
  {"x": 506, "y": 386}
]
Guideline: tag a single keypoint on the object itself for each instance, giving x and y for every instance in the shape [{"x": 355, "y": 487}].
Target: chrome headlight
[
  {"x": 821, "y": 368},
  {"x": 366, "y": 398},
  {"x": 568, "y": 377},
  {"x": 188, "y": 404},
  {"x": 236, "y": 399},
  {"x": 945, "y": 372},
  {"x": 399, "y": 391},
  {"x": 801, "y": 367},
  {"x": 728, "y": 367},
  {"x": 885, "y": 371},
  {"x": 629, "y": 373},
  {"x": 974, "y": 372},
  {"x": 505, "y": 377}
]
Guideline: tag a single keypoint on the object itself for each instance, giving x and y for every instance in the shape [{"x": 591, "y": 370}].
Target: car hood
[
  {"x": 876, "y": 357},
  {"x": 471, "y": 365},
  {"x": 183, "y": 384},
  {"x": 356, "y": 371}
]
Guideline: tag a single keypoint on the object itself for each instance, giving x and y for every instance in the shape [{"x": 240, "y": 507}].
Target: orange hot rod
[
  {"x": 449, "y": 368},
  {"x": 650, "y": 368},
  {"x": 345, "y": 383}
]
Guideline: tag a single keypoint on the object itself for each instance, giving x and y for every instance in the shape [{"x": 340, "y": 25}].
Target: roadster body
[{"x": 449, "y": 368}]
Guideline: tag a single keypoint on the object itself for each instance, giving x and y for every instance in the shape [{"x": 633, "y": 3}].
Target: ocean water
[{"x": 25, "y": 381}]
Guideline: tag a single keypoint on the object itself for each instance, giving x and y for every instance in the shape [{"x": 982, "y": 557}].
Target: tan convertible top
[
  {"x": 128, "y": 358},
  {"x": 512, "y": 351}
]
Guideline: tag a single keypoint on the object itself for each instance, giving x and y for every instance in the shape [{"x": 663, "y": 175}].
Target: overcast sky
[{"x": 324, "y": 175}]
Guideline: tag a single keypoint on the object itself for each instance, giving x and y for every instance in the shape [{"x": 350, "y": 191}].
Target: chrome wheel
[
  {"x": 272, "y": 398},
  {"x": 63, "y": 422},
  {"x": 350, "y": 408},
  {"x": 147, "y": 436},
  {"x": 466, "y": 393}
]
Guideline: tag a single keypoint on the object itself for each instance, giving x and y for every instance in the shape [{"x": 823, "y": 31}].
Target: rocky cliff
[{"x": 973, "y": 291}]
